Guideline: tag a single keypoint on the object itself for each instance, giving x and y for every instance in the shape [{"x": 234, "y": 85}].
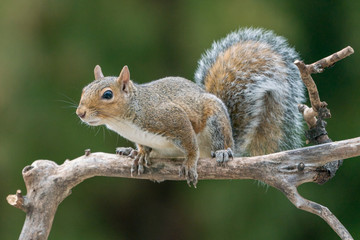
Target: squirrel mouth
[{"x": 94, "y": 122}]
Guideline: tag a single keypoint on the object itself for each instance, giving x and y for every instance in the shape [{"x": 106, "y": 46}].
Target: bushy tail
[{"x": 253, "y": 72}]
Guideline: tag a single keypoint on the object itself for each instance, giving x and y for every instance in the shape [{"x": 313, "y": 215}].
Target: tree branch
[
  {"x": 315, "y": 208},
  {"x": 48, "y": 184}
]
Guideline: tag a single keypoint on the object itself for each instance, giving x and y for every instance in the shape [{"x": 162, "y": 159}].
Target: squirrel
[{"x": 244, "y": 104}]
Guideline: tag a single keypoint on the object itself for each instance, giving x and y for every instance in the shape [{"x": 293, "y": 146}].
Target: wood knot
[
  {"x": 301, "y": 166},
  {"x": 27, "y": 168}
]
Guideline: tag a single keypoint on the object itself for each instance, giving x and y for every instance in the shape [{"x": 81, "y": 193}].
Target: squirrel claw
[
  {"x": 140, "y": 169},
  {"x": 142, "y": 158},
  {"x": 133, "y": 169},
  {"x": 223, "y": 156},
  {"x": 138, "y": 165},
  {"x": 190, "y": 174}
]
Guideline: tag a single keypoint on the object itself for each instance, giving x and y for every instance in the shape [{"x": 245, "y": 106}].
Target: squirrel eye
[{"x": 107, "y": 94}]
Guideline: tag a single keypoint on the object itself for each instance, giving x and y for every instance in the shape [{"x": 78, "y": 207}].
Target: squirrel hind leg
[
  {"x": 188, "y": 168},
  {"x": 219, "y": 133},
  {"x": 265, "y": 136},
  {"x": 190, "y": 173}
]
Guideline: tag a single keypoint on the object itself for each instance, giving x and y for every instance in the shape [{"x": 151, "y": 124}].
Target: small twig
[
  {"x": 310, "y": 85},
  {"x": 319, "y": 66},
  {"x": 87, "y": 152},
  {"x": 17, "y": 200}
]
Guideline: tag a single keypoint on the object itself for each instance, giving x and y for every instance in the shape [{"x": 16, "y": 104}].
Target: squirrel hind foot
[{"x": 222, "y": 156}]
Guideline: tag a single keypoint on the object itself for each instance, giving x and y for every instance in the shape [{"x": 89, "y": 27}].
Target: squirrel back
[{"x": 253, "y": 72}]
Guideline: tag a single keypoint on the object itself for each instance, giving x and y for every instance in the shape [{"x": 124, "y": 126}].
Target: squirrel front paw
[
  {"x": 222, "y": 156},
  {"x": 126, "y": 151},
  {"x": 143, "y": 155},
  {"x": 190, "y": 174}
]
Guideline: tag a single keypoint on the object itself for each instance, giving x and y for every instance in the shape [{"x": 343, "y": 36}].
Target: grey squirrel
[{"x": 244, "y": 104}]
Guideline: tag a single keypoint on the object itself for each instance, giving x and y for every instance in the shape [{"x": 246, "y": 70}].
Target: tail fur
[{"x": 253, "y": 72}]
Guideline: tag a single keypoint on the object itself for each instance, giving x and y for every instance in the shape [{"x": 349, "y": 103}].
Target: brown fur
[
  {"x": 223, "y": 78},
  {"x": 266, "y": 137}
]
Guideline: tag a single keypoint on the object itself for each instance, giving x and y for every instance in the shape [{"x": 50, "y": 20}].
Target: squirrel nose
[{"x": 80, "y": 113}]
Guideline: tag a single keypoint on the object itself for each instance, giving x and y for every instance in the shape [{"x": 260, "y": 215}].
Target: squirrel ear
[
  {"x": 98, "y": 73},
  {"x": 124, "y": 78}
]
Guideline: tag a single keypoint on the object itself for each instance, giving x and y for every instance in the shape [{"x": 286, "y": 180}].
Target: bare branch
[
  {"x": 319, "y": 66},
  {"x": 48, "y": 184},
  {"x": 315, "y": 208},
  {"x": 310, "y": 85}
]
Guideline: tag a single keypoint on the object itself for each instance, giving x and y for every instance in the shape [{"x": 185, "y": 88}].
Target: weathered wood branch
[{"x": 48, "y": 184}]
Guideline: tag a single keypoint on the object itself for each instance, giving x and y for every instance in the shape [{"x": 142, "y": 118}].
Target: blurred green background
[{"x": 48, "y": 50}]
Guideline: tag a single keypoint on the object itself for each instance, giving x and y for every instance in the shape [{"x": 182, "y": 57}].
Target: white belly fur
[{"x": 161, "y": 146}]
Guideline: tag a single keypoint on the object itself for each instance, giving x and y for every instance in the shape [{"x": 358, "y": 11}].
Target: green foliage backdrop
[{"x": 47, "y": 53}]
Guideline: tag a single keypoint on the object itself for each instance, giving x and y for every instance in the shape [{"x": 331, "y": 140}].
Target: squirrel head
[{"x": 106, "y": 98}]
